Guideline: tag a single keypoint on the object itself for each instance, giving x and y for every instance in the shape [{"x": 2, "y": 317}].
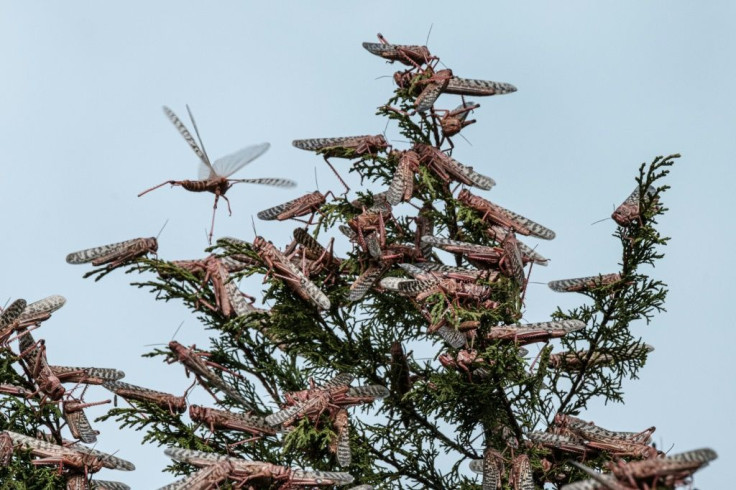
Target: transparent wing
[{"x": 229, "y": 164}]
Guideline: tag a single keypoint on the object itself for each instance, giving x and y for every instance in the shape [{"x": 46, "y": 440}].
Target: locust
[
  {"x": 629, "y": 210},
  {"x": 668, "y": 471},
  {"x": 215, "y": 419},
  {"x": 616, "y": 443},
  {"x": 421, "y": 290},
  {"x": 77, "y": 457},
  {"x": 318, "y": 256},
  {"x": 475, "y": 253},
  {"x": 534, "y": 332},
  {"x": 343, "y": 147},
  {"x": 340, "y": 445},
  {"x": 33, "y": 360},
  {"x": 213, "y": 177},
  {"x": 138, "y": 393},
  {"x": 301, "y": 206},
  {"x": 452, "y": 122},
  {"x": 410, "y": 55},
  {"x": 402, "y": 183},
  {"x": 466, "y": 360},
  {"x": 491, "y": 467},
  {"x": 334, "y": 395},
  {"x": 581, "y": 284},
  {"x": 574, "y": 361},
  {"x": 444, "y": 81},
  {"x": 40, "y": 311},
  {"x": 447, "y": 168},
  {"x": 113, "y": 255},
  {"x": 433, "y": 270},
  {"x": 495, "y": 214},
  {"x": 511, "y": 263},
  {"x": 243, "y": 471},
  {"x": 213, "y": 271},
  {"x": 297, "y": 281},
  {"x": 194, "y": 361}
]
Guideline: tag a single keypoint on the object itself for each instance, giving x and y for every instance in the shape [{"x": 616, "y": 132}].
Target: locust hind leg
[{"x": 347, "y": 189}]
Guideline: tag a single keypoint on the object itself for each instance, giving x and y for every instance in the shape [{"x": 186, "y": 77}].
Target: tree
[{"x": 333, "y": 320}]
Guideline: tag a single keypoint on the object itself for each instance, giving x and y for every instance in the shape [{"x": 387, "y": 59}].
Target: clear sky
[{"x": 603, "y": 86}]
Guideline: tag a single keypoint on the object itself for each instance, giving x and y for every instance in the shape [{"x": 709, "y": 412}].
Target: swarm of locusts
[{"x": 424, "y": 257}]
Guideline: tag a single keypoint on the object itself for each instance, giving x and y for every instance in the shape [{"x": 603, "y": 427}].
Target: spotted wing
[
  {"x": 196, "y": 458},
  {"x": 340, "y": 446},
  {"x": 273, "y": 213},
  {"x": 583, "y": 283},
  {"x": 308, "y": 241},
  {"x": 78, "y": 374},
  {"x": 241, "y": 306},
  {"x": 414, "y": 287},
  {"x": 403, "y": 53},
  {"x": 534, "y": 228},
  {"x": 701, "y": 456},
  {"x": 90, "y": 254},
  {"x": 365, "y": 282},
  {"x": 464, "y": 173},
  {"x": 322, "y": 477},
  {"x": 491, "y": 471},
  {"x": 341, "y": 379},
  {"x": 315, "y": 144},
  {"x": 289, "y": 412},
  {"x": 188, "y": 137},
  {"x": 453, "y": 337},
  {"x": 12, "y": 313},
  {"x": 429, "y": 95},
  {"x": 565, "y": 325},
  {"x": 392, "y": 283},
  {"x": 523, "y": 478},
  {"x": 272, "y": 181},
  {"x": 372, "y": 391},
  {"x": 80, "y": 427},
  {"x": 108, "y": 460},
  {"x": 466, "y": 86},
  {"x": 207, "y": 477},
  {"x": 229, "y": 164},
  {"x": 42, "y": 307}
]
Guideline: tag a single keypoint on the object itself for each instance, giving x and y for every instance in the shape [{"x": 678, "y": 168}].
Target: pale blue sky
[{"x": 603, "y": 86}]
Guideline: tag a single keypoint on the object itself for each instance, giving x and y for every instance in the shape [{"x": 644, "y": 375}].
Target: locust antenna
[
  {"x": 429, "y": 33},
  {"x": 196, "y": 131},
  {"x": 466, "y": 140},
  {"x": 162, "y": 228},
  {"x": 599, "y": 221},
  {"x": 177, "y": 330},
  {"x": 316, "y": 182},
  {"x": 253, "y": 222}
]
